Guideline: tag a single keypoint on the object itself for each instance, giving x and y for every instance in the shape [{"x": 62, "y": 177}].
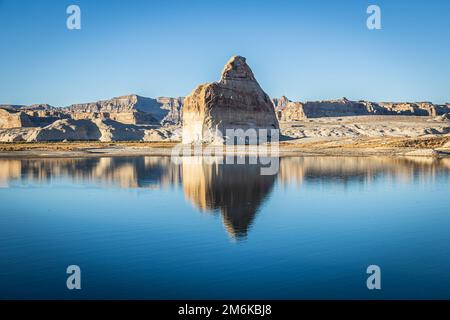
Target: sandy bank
[{"x": 428, "y": 146}]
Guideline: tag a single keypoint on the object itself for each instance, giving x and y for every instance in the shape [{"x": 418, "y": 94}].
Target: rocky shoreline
[{"x": 429, "y": 146}]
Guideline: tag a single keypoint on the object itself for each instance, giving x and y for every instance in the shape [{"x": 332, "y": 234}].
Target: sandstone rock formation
[
  {"x": 287, "y": 110},
  {"x": 13, "y": 119},
  {"x": 235, "y": 102},
  {"x": 131, "y": 109},
  {"x": 123, "y": 118},
  {"x": 34, "y": 107},
  {"x": 171, "y": 111},
  {"x": 365, "y": 126},
  {"x": 67, "y": 129}
]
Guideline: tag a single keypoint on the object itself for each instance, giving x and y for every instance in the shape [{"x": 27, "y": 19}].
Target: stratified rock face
[
  {"x": 171, "y": 111},
  {"x": 335, "y": 108},
  {"x": 34, "y": 107},
  {"x": 66, "y": 129},
  {"x": 235, "y": 102},
  {"x": 416, "y": 108},
  {"x": 19, "y": 116},
  {"x": 287, "y": 110},
  {"x": 10, "y": 118},
  {"x": 281, "y": 103},
  {"x": 127, "y": 118},
  {"x": 128, "y": 103},
  {"x": 131, "y": 109}
]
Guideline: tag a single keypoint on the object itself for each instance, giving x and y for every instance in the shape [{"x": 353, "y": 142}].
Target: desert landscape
[
  {"x": 138, "y": 125},
  {"x": 224, "y": 159}
]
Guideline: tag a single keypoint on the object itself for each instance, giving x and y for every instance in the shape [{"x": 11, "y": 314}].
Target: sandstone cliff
[
  {"x": 171, "y": 110},
  {"x": 13, "y": 119},
  {"x": 131, "y": 109},
  {"x": 287, "y": 110},
  {"x": 26, "y": 118},
  {"x": 235, "y": 102},
  {"x": 129, "y": 117}
]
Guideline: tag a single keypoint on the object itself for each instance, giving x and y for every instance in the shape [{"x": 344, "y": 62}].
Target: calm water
[{"x": 144, "y": 227}]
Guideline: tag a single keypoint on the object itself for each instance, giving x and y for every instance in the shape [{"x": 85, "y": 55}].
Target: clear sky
[{"x": 306, "y": 50}]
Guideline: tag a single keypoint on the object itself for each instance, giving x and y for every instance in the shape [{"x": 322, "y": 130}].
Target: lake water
[{"x": 144, "y": 227}]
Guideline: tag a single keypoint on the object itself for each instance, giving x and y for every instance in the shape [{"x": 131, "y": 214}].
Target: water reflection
[{"x": 237, "y": 192}]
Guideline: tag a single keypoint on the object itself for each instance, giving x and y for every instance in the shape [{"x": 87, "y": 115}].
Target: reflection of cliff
[
  {"x": 136, "y": 172},
  {"x": 9, "y": 169},
  {"x": 126, "y": 172},
  {"x": 236, "y": 190},
  {"x": 360, "y": 169}
]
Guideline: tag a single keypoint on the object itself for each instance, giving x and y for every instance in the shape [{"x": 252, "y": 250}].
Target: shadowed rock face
[
  {"x": 235, "y": 102},
  {"x": 13, "y": 119},
  {"x": 131, "y": 109},
  {"x": 127, "y": 118},
  {"x": 28, "y": 116}
]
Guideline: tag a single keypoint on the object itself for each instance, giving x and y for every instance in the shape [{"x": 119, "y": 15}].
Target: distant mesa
[
  {"x": 131, "y": 109},
  {"x": 288, "y": 110},
  {"x": 235, "y": 102},
  {"x": 127, "y": 118}
]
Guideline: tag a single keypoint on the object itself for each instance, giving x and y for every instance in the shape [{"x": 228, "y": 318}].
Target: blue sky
[{"x": 306, "y": 50}]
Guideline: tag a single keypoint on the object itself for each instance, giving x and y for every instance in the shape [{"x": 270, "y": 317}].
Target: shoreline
[{"x": 427, "y": 146}]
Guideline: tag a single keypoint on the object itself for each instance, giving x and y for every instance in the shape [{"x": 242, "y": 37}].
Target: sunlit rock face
[
  {"x": 235, "y": 102},
  {"x": 13, "y": 119},
  {"x": 131, "y": 109},
  {"x": 236, "y": 191},
  {"x": 288, "y": 110}
]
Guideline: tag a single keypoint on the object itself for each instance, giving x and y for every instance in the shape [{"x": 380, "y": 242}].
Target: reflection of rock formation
[
  {"x": 127, "y": 172},
  {"x": 236, "y": 190},
  {"x": 360, "y": 169},
  {"x": 9, "y": 170}
]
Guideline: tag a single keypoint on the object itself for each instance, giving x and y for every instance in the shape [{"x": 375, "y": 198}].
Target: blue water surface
[{"x": 144, "y": 227}]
